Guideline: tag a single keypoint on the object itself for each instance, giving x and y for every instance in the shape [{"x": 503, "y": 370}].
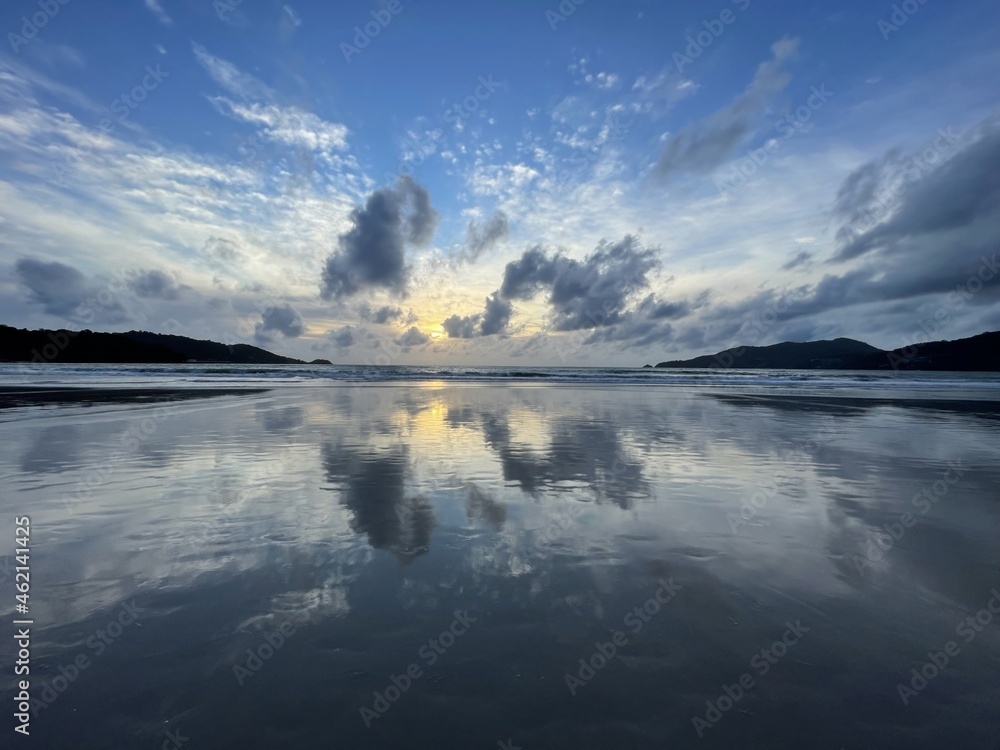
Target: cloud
[
  {"x": 289, "y": 125},
  {"x": 957, "y": 194},
  {"x": 493, "y": 320},
  {"x": 928, "y": 264},
  {"x": 413, "y": 337},
  {"x": 154, "y": 284},
  {"x": 56, "y": 55},
  {"x": 222, "y": 250},
  {"x": 481, "y": 239},
  {"x": 231, "y": 78},
  {"x": 646, "y": 323},
  {"x": 702, "y": 147},
  {"x": 343, "y": 337},
  {"x": 373, "y": 487},
  {"x": 64, "y": 292},
  {"x": 656, "y": 309},
  {"x": 258, "y": 104},
  {"x": 157, "y": 10},
  {"x": 592, "y": 293},
  {"x": 372, "y": 253},
  {"x": 292, "y": 15},
  {"x": 801, "y": 258},
  {"x": 859, "y": 190},
  {"x": 497, "y": 315},
  {"x": 284, "y": 320},
  {"x": 380, "y": 315}
]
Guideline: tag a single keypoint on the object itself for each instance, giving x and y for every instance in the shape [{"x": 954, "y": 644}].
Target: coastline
[{"x": 12, "y": 397}]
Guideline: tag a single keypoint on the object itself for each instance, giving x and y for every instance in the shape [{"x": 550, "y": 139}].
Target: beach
[{"x": 531, "y": 562}]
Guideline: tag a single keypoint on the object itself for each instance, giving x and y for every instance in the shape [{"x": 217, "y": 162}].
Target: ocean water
[
  {"x": 862, "y": 382},
  {"x": 486, "y": 559}
]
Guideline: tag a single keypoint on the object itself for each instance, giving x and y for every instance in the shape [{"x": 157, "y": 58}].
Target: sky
[{"x": 588, "y": 183}]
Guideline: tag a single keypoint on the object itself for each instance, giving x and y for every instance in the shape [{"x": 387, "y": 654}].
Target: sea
[{"x": 860, "y": 382}]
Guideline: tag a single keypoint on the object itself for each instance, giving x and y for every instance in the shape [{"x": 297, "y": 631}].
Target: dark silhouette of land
[
  {"x": 976, "y": 354},
  {"x": 138, "y": 347}
]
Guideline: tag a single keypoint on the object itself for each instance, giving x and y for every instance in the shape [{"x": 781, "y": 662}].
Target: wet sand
[
  {"x": 554, "y": 567},
  {"x": 21, "y": 396}
]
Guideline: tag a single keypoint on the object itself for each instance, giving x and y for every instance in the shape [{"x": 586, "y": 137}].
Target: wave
[{"x": 207, "y": 374}]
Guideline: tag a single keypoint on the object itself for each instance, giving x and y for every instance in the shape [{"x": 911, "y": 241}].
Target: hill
[
  {"x": 140, "y": 347},
  {"x": 976, "y": 354}
]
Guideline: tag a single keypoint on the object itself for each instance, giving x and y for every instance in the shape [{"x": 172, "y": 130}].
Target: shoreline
[{"x": 12, "y": 397}]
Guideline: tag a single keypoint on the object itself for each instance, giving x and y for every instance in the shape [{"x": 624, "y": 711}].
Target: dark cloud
[
  {"x": 480, "y": 505},
  {"x": 64, "y": 292},
  {"x": 413, "y": 337},
  {"x": 654, "y": 308},
  {"x": 223, "y": 250},
  {"x": 647, "y": 324},
  {"x": 704, "y": 146},
  {"x": 343, "y": 337},
  {"x": 801, "y": 258},
  {"x": 493, "y": 320},
  {"x": 154, "y": 284},
  {"x": 925, "y": 265},
  {"x": 859, "y": 190},
  {"x": 481, "y": 239},
  {"x": 591, "y": 293},
  {"x": 497, "y": 315},
  {"x": 940, "y": 235},
  {"x": 372, "y": 253},
  {"x": 523, "y": 278},
  {"x": 962, "y": 191},
  {"x": 380, "y": 315},
  {"x": 372, "y": 487},
  {"x": 284, "y": 320},
  {"x": 462, "y": 326},
  {"x": 592, "y": 450}
]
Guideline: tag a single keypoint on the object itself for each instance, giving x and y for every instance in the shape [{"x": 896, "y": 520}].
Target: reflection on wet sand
[
  {"x": 372, "y": 486},
  {"x": 367, "y": 516}
]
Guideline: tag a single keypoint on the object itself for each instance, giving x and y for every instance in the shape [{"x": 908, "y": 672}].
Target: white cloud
[
  {"x": 290, "y": 125},
  {"x": 231, "y": 78},
  {"x": 292, "y": 15},
  {"x": 157, "y": 10}
]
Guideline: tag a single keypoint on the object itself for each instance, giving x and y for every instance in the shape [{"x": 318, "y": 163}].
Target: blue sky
[{"x": 499, "y": 182}]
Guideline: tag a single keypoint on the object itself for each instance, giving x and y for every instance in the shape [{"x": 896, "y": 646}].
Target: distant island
[
  {"x": 133, "y": 347},
  {"x": 976, "y": 354}
]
